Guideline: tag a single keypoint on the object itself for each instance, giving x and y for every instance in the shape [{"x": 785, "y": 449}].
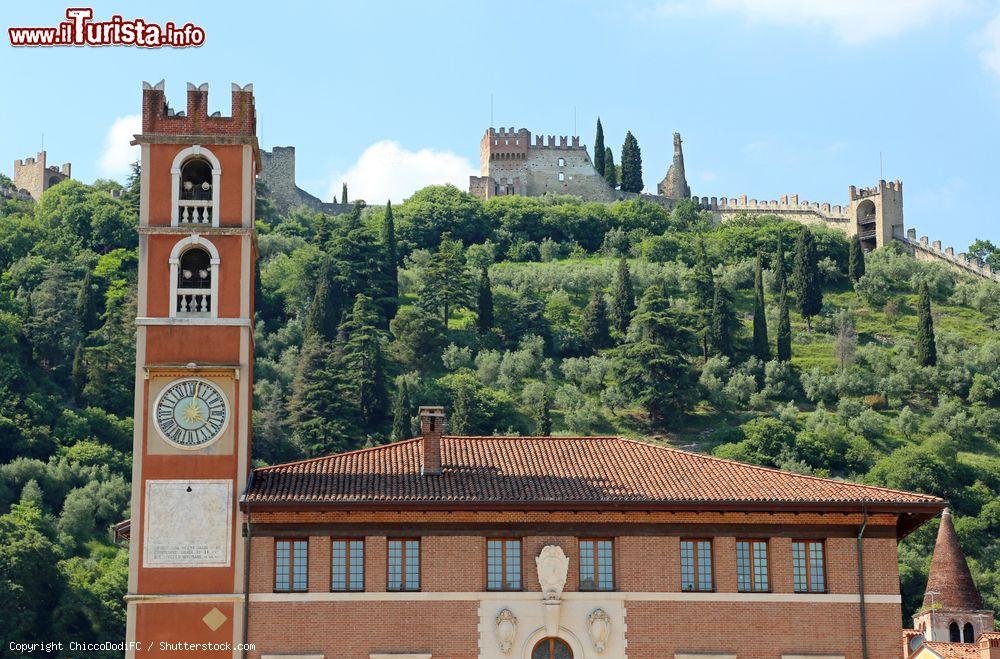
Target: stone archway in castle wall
[{"x": 867, "y": 227}]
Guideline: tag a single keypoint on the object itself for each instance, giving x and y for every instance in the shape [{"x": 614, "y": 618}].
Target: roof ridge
[
  {"x": 320, "y": 458},
  {"x": 706, "y": 456}
]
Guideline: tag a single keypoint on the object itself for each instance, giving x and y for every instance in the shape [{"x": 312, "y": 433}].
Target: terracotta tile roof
[
  {"x": 953, "y": 650},
  {"x": 550, "y": 469},
  {"x": 949, "y": 577}
]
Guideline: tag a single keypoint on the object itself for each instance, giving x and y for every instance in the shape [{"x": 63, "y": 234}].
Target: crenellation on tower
[{"x": 33, "y": 176}]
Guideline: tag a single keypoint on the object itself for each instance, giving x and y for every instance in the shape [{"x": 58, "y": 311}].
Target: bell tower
[{"x": 194, "y": 373}]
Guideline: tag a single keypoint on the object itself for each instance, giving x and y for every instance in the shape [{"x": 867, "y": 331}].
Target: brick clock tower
[{"x": 193, "y": 379}]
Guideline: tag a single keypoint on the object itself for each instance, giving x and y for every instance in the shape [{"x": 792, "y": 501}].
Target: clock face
[{"x": 191, "y": 413}]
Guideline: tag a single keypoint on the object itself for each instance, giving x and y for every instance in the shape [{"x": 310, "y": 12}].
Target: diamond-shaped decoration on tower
[{"x": 214, "y": 619}]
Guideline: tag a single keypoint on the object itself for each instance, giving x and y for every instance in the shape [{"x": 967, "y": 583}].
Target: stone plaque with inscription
[{"x": 188, "y": 523}]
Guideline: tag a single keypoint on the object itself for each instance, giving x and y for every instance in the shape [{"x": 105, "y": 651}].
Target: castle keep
[{"x": 33, "y": 176}]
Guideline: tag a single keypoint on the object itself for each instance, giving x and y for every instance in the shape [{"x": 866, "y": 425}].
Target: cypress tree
[
  {"x": 543, "y": 418},
  {"x": 723, "y": 323},
  {"x": 462, "y": 412},
  {"x": 390, "y": 254},
  {"x": 761, "y": 346},
  {"x": 484, "y": 303},
  {"x": 784, "y": 340},
  {"x": 926, "y": 345},
  {"x": 343, "y": 193},
  {"x": 856, "y": 261},
  {"x": 808, "y": 293},
  {"x": 79, "y": 372},
  {"x": 779, "y": 264},
  {"x": 85, "y": 308},
  {"x": 599, "y": 148},
  {"x": 704, "y": 283},
  {"x": 631, "y": 164},
  {"x": 622, "y": 298},
  {"x": 327, "y": 303},
  {"x": 402, "y": 409},
  {"x": 594, "y": 325},
  {"x": 610, "y": 171}
]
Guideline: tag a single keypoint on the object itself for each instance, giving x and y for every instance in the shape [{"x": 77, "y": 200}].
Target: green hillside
[{"x": 522, "y": 316}]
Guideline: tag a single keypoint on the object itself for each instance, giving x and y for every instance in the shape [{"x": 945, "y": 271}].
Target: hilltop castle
[
  {"x": 510, "y": 163},
  {"x": 33, "y": 177}
]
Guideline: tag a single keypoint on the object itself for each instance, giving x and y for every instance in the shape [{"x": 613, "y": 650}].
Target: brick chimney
[{"x": 432, "y": 420}]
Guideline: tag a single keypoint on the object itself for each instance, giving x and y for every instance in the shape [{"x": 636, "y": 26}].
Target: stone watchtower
[
  {"x": 952, "y": 610},
  {"x": 674, "y": 185},
  {"x": 877, "y": 214},
  {"x": 33, "y": 176}
]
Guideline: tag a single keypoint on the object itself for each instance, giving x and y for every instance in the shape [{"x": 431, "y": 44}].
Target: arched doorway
[
  {"x": 968, "y": 633},
  {"x": 867, "y": 226},
  {"x": 552, "y": 648}
]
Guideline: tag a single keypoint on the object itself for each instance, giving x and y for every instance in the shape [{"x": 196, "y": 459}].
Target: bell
[
  {"x": 186, "y": 274},
  {"x": 206, "y": 186},
  {"x": 188, "y": 186},
  {"x": 203, "y": 274}
]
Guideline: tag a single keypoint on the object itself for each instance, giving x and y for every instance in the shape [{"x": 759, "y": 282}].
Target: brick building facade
[{"x": 444, "y": 546}]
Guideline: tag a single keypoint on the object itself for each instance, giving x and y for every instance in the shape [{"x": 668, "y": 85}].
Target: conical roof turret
[{"x": 949, "y": 582}]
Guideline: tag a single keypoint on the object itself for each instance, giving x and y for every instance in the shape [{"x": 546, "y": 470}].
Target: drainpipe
[
  {"x": 861, "y": 581},
  {"x": 246, "y": 569}
]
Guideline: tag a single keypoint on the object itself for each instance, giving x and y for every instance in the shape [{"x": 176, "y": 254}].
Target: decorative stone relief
[
  {"x": 599, "y": 628},
  {"x": 553, "y": 566},
  {"x": 506, "y": 630}
]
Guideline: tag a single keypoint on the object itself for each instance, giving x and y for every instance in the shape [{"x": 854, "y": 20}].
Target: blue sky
[{"x": 772, "y": 97}]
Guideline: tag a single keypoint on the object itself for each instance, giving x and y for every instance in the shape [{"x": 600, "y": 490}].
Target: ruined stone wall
[
  {"x": 567, "y": 170},
  {"x": 278, "y": 174}
]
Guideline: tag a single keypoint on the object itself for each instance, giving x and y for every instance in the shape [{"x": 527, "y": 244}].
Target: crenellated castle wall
[{"x": 926, "y": 250}]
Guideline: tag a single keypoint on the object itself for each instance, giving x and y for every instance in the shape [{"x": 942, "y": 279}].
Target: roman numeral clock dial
[{"x": 191, "y": 413}]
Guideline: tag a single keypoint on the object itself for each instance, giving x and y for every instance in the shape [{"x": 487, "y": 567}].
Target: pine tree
[
  {"x": 926, "y": 344},
  {"x": 363, "y": 361},
  {"x": 484, "y": 303},
  {"x": 390, "y": 256},
  {"x": 631, "y": 164},
  {"x": 447, "y": 284},
  {"x": 610, "y": 171},
  {"x": 652, "y": 366},
  {"x": 599, "y": 148},
  {"x": 808, "y": 292},
  {"x": 323, "y": 415},
  {"x": 594, "y": 325},
  {"x": 723, "y": 322},
  {"x": 343, "y": 193},
  {"x": 784, "y": 339},
  {"x": 856, "y": 261},
  {"x": 761, "y": 345},
  {"x": 402, "y": 411},
  {"x": 622, "y": 298}
]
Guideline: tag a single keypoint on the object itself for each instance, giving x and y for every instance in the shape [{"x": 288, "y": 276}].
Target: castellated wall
[
  {"x": 788, "y": 207},
  {"x": 926, "y": 250},
  {"x": 34, "y": 176}
]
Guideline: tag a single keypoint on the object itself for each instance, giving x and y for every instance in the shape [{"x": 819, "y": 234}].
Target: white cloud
[
  {"x": 386, "y": 170},
  {"x": 989, "y": 45},
  {"x": 851, "y": 21},
  {"x": 118, "y": 154}
]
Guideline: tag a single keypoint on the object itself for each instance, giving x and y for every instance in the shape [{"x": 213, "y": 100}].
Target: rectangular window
[
  {"x": 597, "y": 565},
  {"x": 404, "y": 564},
  {"x": 347, "y": 564},
  {"x": 291, "y": 565},
  {"x": 562, "y": 162},
  {"x": 751, "y": 566},
  {"x": 696, "y": 565},
  {"x": 808, "y": 566},
  {"x": 503, "y": 564},
  {"x": 562, "y": 176}
]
